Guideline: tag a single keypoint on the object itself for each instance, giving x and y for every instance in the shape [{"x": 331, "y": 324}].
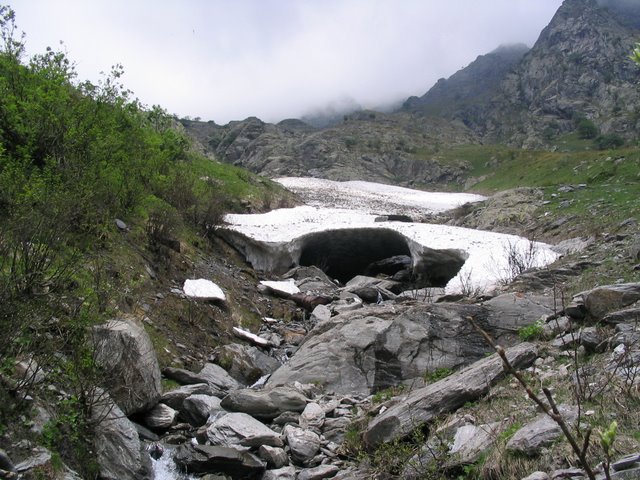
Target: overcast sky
[{"x": 226, "y": 60}]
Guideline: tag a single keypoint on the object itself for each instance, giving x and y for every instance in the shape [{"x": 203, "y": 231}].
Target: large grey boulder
[
  {"x": 214, "y": 459},
  {"x": 125, "y": 354},
  {"x": 267, "y": 403},
  {"x": 596, "y": 303},
  {"x": 381, "y": 346},
  {"x": 119, "y": 452},
  {"x": 244, "y": 363},
  {"x": 240, "y": 429},
  {"x": 540, "y": 432},
  {"x": 424, "y": 404}
]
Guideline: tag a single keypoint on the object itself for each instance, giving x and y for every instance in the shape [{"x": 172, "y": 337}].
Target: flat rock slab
[
  {"x": 424, "y": 404},
  {"x": 318, "y": 473},
  {"x": 540, "y": 432}
]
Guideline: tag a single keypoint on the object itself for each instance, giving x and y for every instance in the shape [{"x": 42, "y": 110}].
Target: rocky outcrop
[
  {"x": 579, "y": 66},
  {"x": 456, "y": 96},
  {"x": 124, "y": 352},
  {"x": 366, "y": 146},
  {"x": 376, "y": 347}
]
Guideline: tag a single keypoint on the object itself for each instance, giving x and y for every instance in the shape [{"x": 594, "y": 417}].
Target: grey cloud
[{"x": 224, "y": 59}]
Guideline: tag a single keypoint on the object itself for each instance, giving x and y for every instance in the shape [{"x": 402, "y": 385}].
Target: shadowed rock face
[{"x": 343, "y": 254}]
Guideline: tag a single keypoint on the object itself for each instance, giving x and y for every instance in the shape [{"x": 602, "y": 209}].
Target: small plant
[
  {"x": 606, "y": 441},
  {"x": 438, "y": 374},
  {"x": 532, "y": 332},
  {"x": 386, "y": 394}
]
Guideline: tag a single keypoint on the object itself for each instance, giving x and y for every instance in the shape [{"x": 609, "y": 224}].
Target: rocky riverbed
[{"x": 368, "y": 381}]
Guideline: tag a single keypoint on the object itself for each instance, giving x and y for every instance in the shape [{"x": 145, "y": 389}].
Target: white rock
[
  {"x": 253, "y": 338},
  {"x": 203, "y": 289},
  {"x": 287, "y": 286}
]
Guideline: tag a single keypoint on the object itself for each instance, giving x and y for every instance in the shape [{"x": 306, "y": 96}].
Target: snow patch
[
  {"x": 203, "y": 289},
  {"x": 351, "y": 205},
  {"x": 285, "y": 286}
]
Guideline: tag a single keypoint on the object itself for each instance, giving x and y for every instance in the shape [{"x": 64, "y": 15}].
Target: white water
[{"x": 165, "y": 468}]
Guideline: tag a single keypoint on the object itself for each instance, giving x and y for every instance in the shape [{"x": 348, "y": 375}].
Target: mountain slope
[
  {"x": 578, "y": 67},
  {"x": 458, "y": 95},
  {"x": 367, "y": 145}
]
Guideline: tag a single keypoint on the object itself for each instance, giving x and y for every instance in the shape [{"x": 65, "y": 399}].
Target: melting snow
[
  {"x": 204, "y": 289},
  {"x": 358, "y": 204}
]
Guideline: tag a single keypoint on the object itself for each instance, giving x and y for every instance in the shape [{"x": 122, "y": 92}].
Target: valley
[{"x": 449, "y": 290}]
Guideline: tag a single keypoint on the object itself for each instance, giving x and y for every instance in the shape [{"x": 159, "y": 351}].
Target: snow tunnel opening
[{"x": 344, "y": 254}]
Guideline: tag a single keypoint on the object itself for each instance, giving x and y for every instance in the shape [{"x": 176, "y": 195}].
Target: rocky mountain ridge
[{"x": 579, "y": 68}]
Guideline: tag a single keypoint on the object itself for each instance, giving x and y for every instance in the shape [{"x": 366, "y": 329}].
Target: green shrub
[
  {"x": 531, "y": 332},
  {"x": 608, "y": 141},
  {"x": 437, "y": 374},
  {"x": 587, "y": 129}
]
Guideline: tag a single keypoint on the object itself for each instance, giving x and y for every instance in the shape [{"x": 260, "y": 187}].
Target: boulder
[
  {"x": 197, "y": 408},
  {"x": 424, "y": 404},
  {"x": 119, "y": 452},
  {"x": 304, "y": 444},
  {"x": 215, "y": 376},
  {"x": 320, "y": 314},
  {"x": 381, "y": 346},
  {"x": 244, "y": 363},
  {"x": 176, "y": 397},
  {"x": 318, "y": 473},
  {"x": 540, "y": 432},
  {"x": 160, "y": 417},
  {"x": 598, "y": 302},
  {"x": 215, "y": 459},
  {"x": 274, "y": 456},
  {"x": 267, "y": 403},
  {"x": 125, "y": 353},
  {"x": 312, "y": 417},
  {"x": 284, "y": 473},
  {"x": 240, "y": 429},
  {"x": 591, "y": 338},
  {"x": 628, "y": 315},
  {"x": 471, "y": 441}
]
